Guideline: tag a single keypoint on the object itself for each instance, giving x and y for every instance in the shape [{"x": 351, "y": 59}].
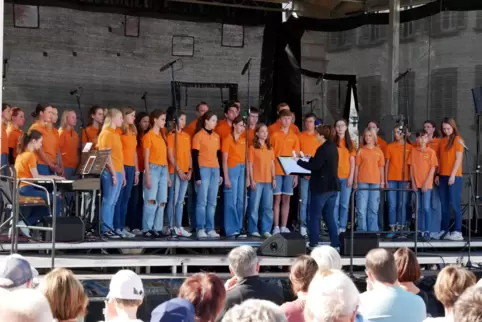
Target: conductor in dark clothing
[
  {"x": 246, "y": 283},
  {"x": 324, "y": 186}
]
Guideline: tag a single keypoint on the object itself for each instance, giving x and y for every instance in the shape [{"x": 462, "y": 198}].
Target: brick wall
[{"x": 115, "y": 70}]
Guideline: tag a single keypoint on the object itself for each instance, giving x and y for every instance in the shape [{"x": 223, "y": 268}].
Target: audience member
[
  {"x": 385, "y": 300},
  {"x": 255, "y": 311},
  {"x": 302, "y": 272},
  {"x": 207, "y": 293},
  {"x": 16, "y": 273},
  {"x": 175, "y": 310},
  {"x": 468, "y": 307},
  {"x": 65, "y": 294},
  {"x": 408, "y": 272},
  {"x": 25, "y": 305},
  {"x": 451, "y": 282},
  {"x": 126, "y": 294},
  {"x": 246, "y": 283},
  {"x": 326, "y": 257}
]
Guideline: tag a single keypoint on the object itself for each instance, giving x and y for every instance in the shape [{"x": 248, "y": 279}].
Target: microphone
[
  {"x": 402, "y": 75},
  {"x": 76, "y": 91},
  {"x": 144, "y": 96},
  {"x": 163, "y": 68},
  {"x": 246, "y": 67}
]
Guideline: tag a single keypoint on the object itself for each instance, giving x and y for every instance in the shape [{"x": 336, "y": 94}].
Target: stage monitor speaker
[
  {"x": 283, "y": 245},
  {"x": 363, "y": 243},
  {"x": 67, "y": 229},
  {"x": 477, "y": 95}
]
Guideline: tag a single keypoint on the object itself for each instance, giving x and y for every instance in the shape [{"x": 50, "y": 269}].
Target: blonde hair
[
  {"x": 63, "y": 119},
  {"x": 65, "y": 294},
  {"x": 451, "y": 282},
  {"x": 109, "y": 115},
  {"x": 126, "y": 128}
]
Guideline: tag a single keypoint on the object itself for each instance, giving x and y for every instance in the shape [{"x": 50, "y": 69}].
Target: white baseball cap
[{"x": 126, "y": 285}]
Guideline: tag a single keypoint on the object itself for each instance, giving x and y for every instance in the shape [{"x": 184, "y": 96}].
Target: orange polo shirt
[
  {"x": 250, "y": 136},
  {"x": 183, "y": 151},
  {"x": 223, "y": 129},
  {"x": 14, "y": 134},
  {"x": 262, "y": 161},
  {"x": 446, "y": 158},
  {"x": 394, "y": 153},
  {"x": 109, "y": 139},
  {"x": 4, "y": 139},
  {"x": 276, "y": 126},
  {"x": 236, "y": 150},
  {"x": 369, "y": 162},
  {"x": 382, "y": 144},
  {"x": 191, "y": 128},
  {"x": 308, "y": 143},
  {"x": 50, "y": 145},
  {"x": 284, "y": 145},
  {"x": 434, "y": 144},
  {"x": 208, "y": 146},
  {"x": 157, "y": 147},
  {"x": 23, "y": 163},
  {"x": 421, "y": 163},
  {"x": 129, "y": 146},
  {"x": 69, "y": 148},
  {"x": 344, "y": 156},
  {"x": 90, "y": 134}
]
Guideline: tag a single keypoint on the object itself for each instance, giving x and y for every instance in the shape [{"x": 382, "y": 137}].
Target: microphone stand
[
  {"x": 470, "y": 205},
  {"x": 246, "y": 68}
]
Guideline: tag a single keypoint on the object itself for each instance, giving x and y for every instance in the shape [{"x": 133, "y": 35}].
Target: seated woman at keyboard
[{"x": 26, "y": 168}]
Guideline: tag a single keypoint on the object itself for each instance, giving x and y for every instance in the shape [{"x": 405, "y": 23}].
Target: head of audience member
[
  {"x": 468, "y": 307},
  {"x": 326, "y": 257},
  {"x": 408, "y": 268},
  {"x": 324, "y": 133},
  {"x": 65, "y": 295},
  {"x": 174, "y": 310},
  {"x": 301, "y": 273},
  {"x": 255, "y": 311},
  {"x": 25, "y": 305},
  {"x": 243, "y": 262},
  {"x": 17, "y": 273},
  {"x": 451, "y": 282},
  {"x": 332, "y": 297},
  {"x": 201, "y": 108},
  {"x": 253, "y": 117},
  {"x": 381, "y": 268},
  {"x": 126, "y": 294},
  {"x": 207, "y": 293},
  {"x": 285, "y": 118}
]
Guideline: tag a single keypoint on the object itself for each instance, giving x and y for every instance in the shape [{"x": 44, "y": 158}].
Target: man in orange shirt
[
  {"x": 6, "y": 117},
  {"x": 225, "y": 127},
  {"x": 201, "y": 108},
  {"x": 252, "y": 121},
  {"x": 276, "y": 126}
]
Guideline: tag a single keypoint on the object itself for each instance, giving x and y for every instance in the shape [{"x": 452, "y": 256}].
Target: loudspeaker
[
  {"x": 283, "y": 245},
  {"x": 363, "y": 243},
  {"x": 67, "y": 229}
]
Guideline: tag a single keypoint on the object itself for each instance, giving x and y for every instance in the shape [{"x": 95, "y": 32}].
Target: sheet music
[{"x": 291, "y": 167}]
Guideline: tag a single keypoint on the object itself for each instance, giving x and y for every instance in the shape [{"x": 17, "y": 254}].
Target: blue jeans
[
  {"x": 424, "y": 210},
  {"x": 450, "y": 199},
  {"x": 323, "y": 204},
  {"x": 397, "y": 203},
  {"x": 155, "y": 198},
  {"x": 4, "y": 161},
  {"x": 342, "y": 203},
  {"x": 436, "y": 211},
  {"x": 305, "y": 199},
  {"x": 367, "y": 204},
  {"x": 136, "y": 205},
  {"x": 110, "y": 195},
  {"x": 120, "y": 213},
  {"x": 233, "y": 201},
  {"x": 261, "y": 196},
  {"x": 34, "y": 214},
  {"x": 44, "y": 170},
  {"x": 177, "y": 193},
  {"x": 207, "y": 194}
]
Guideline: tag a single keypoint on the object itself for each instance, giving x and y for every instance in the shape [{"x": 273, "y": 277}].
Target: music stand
[{"x": 291, "y": 168}]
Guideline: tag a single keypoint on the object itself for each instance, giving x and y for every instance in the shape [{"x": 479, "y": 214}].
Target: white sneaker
[
  {"x": 276, "y": 230},
  {"x": 266, "y": 235},
  {"x": 434, "y": 236},
  {"x": 201, "y": 234},
  {"x": 285, "y": 230},
  {"x": 255, "y": 234},
  {"x": 438, "y": 235},
  {"x": 119, "y": 233},
  {"x": 303, "y": 231},
  {"x": 341, "y": 230},
  {"x": 137, "y": 232},
  {"x": 213, "y": 234},
  {"x": 455, "y": 235},
  {"x": 181, "y": 232},
  {"x": 127, "y": 234}
]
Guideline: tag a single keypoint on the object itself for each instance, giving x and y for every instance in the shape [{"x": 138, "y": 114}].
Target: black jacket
[
  {"x": 252, "y": 288},
  {"x": 324, "y": 168}
]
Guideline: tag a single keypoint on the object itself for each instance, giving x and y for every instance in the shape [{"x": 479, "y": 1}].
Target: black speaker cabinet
[
  {"x": 67, "y": 229},
  {"x": 362, "y": 244},
  {"x": 283, "y": 245}
]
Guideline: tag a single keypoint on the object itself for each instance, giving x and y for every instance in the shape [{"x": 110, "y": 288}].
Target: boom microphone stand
[{"x": 246, "y": 68}]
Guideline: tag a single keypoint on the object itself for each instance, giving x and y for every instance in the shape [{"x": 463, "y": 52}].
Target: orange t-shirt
[
  {"x": 394, "y": 153},
  {"x": 262, "y": 161},
  {"x": 250, "y": 136},
  {"x": 223, "y": 129},
  {"x": 191, "y": 128},
  {"x": 344, "y": 158},
  {"x": 14, "y": 134},
  {"x": 50, "y": 145},
  {"x": 4, "y": 139},
  {"x": 433, "y": 144},
  {"x": 157, "y": 147},
  {"x": 446, "y": 159},
  {"x": 23, "y": 163},
  {"x": 276, "y": 126},
  {"x": 183, "y": 151},
  {"x": 284, "y": 145},
  {"x": 109, "y": 139},
  {"x": 129, "y": 146},
  {"x": 208, "y": 146},
  {"x": 69, "y": 148},
  {"x": 308, "y": 143},
  {"x": 369, "y": 162},
  {"x": 421, "y": 163},
  {"x": 382, "y": 144},
  {"x": 236, "y": 150},
  {"x": 90, "y": 134}
]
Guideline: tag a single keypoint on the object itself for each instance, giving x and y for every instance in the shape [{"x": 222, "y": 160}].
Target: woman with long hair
[
  {"x": 128, "y": 135},
  {"x": 113, "y": 177},
  {"x": 206, "y": 146},
  {"x": 6, "y": 117},
  {"x": 180, "y": 171},
  {"x": 91, "y": 132},
  {"x": 14, "y": 132},
  {"x": 346, "y": 172},
  {"x": 136, "y": 201},
  {"x": 156, "y": 176},
  {"x": 234, "y": 152},
  {"x": 449, "y": 179},
  {"x": 369, "y": 174}
]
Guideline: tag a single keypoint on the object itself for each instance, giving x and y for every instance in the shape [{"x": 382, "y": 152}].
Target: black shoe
[
  {"x": 110, "y": 235},
  {"x": 150, "y": 234}
]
